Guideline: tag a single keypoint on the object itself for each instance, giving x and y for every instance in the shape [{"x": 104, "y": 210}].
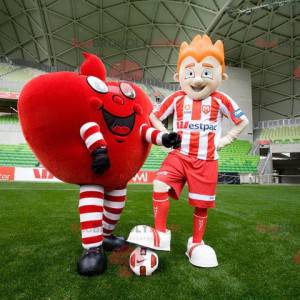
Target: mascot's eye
[
  {"x": 189, "y": 73},
  {"x": 207, "y": 73},
  {"x": 97, "y": 84},
  {"x": 127, "y": 90}
]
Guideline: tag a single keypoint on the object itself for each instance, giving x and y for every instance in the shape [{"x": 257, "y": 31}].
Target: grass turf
[{"x": 254, "y": 230}]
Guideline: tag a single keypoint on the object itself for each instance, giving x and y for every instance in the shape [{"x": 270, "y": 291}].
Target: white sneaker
[
  {"x": 149, "y": 237},
  {"x": 201, "y": 255}
]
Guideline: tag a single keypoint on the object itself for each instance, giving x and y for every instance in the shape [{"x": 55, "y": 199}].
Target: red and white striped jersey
[{"x": 198, "y": 122}]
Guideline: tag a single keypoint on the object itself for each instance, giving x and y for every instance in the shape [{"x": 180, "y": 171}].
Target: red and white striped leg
[
  {"x": 114, "y": 202},
  {"x": 91, "y": 212}
]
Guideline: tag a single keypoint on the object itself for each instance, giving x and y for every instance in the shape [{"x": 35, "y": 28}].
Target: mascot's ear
[{"x": 92, "y": 66}]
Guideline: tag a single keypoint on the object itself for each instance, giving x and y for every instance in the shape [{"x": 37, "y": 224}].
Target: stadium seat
[
  {"x": 9, "y": 119},
  {"x": 281, "y": 135},
  {"x": 236, "y": 158},
  {"x": 17, "y": 155}
]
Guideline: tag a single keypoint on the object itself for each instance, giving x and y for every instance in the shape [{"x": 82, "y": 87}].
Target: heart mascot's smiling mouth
[{"x": 121, "y": 126}]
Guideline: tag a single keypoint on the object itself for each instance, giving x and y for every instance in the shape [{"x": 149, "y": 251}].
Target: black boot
[
  {"x": 92, "y": 262},
  {"x": 114, "y": 243}
]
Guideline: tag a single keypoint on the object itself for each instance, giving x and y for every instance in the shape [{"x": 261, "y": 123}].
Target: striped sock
[
  {"x": 114, "y": 203},
  {"x": 160, "y": 209},
  {"x": 91, "y": 211},
  {"x": 200, "y": 217}
]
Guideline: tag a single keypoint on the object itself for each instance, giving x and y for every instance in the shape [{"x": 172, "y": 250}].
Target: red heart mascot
[{"x": 93, "y": 133}]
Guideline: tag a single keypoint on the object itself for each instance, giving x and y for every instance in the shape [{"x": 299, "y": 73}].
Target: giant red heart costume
[
  {"x": 94, "y": 133},
  {"x": 54, "y": 106}
]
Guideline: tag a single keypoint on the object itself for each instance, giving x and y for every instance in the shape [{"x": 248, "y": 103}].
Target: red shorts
[{"x": 200, "y": 175}]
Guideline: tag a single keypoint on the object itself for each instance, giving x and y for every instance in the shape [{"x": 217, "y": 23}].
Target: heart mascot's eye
[
  {"x": 127, "y": 90},
  {"x": 97, "y": 84}
]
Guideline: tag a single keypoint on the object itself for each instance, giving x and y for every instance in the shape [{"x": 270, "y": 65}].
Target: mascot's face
[
  {"x": 199, "y": 79},
  {"x": 53, "y": 107},
  {"x": 119, "y": 105}
]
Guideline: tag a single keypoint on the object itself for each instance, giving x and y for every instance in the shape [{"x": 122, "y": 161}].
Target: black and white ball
[{"x": 143, "y": 261}]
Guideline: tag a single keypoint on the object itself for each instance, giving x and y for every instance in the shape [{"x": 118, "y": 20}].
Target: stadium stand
[
  {"x": 236, "y": 158},
  {"x": 18, "y": 73},
  {"x": 22, "y": 74},
  {"x": 6, "y": 68},
  {"x": 281, "y": 135},
  {"x": 17, "y": 155},
  {"x": 233, "y": 158},
  {"x": 13, "y": 78},
  {"x": 154, "y": 160},
  {"x": 9, "y": 119}
]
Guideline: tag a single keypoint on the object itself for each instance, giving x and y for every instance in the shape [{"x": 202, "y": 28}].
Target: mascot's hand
[
  {"x": 226, "y": 140},
  {"x": 100, "y": 160},
  {"x": 171, "y": 139}
]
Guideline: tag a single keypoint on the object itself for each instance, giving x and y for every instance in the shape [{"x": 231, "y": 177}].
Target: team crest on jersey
[
  {"x": 206, "y": 109},
  {"x": 187, "y": 109}
]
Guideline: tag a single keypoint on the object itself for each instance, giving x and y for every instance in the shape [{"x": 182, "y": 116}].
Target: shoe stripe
[
  {"x": 192, "y": 249},
  {"x": 156, "y": 238}
]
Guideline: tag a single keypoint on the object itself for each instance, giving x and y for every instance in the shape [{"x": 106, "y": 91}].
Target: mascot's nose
[
  {"x": 118, "y": 100},
  {"x": 197, "y": 81}
]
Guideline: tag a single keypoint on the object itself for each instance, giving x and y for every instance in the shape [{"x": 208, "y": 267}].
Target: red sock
[
  {"x": 200, "y": 217},
  {"x": 160, "y": 209}
]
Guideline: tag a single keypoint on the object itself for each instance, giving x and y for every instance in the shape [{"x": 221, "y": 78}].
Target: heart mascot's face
[{"x": 53, "y": 107}]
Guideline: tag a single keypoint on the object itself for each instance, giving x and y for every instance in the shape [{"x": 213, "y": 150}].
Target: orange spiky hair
[{"x": 200, "y": 47}]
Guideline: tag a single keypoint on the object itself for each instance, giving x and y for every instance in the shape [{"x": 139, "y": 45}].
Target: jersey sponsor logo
[
  {"x": 195, "y": 125},
  {"x": 238, "y": 113},
  {"x": 182, "y": 124},
  {"x": 206, "y": 109}
]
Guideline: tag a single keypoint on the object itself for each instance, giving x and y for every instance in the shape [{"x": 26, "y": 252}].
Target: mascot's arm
[
  {"x": 156, "y": 122},
  {"x": 229, "y": 108},
  {"x": 95, "y": 143},
  {"x": 233, "y": 134},
  {"x": 157, "y": 137}
]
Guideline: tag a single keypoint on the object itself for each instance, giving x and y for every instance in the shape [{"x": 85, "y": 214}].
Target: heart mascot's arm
[
  {"x": 160, "y": 138},
  {"x": 95, "y": 143}
]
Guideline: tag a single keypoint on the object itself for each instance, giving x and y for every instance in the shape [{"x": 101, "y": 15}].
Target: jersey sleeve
[
  {"x": 166, "y": 108},
  {"x": 230, "y": 109}
]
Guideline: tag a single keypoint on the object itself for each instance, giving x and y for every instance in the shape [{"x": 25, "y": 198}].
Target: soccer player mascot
[
  {"x": 93, "y": 133},
  {"x": 197, "y": 109}
]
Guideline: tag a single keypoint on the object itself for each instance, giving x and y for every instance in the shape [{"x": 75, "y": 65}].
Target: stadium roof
[{"x": 140, "y": 39}]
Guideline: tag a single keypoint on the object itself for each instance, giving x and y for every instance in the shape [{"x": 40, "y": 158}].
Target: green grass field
[{"x": 255, "y": 231}]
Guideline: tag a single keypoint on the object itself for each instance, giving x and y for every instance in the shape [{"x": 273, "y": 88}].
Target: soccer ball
[{"x": 143, "y": 262}]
